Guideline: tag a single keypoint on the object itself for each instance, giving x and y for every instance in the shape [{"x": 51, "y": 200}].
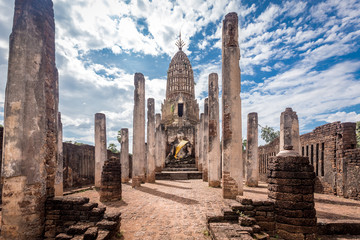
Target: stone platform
[{"x": 179, "y": 172}]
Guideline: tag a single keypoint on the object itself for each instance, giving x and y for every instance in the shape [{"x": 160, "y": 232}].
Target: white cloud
[{"x": 266, "y": 69}]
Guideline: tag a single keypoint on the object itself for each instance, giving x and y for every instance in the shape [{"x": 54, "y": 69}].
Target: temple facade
[{"x": 180, "y": 110}]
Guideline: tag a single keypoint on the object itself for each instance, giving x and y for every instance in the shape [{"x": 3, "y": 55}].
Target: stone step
[
  {"x": 180, "y": 166},
  {"x": 63, "y": 236},
  {"x": 79, "y": 228},
  {"x": 103, "y": 235},
  {"x": 228, "y": 231},
  {"x": 178, "y": 175},
  {"x": 180, "y": 169}
]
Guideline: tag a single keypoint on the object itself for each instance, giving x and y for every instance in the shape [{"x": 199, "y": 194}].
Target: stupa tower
[{"x": 180, "y": 110}]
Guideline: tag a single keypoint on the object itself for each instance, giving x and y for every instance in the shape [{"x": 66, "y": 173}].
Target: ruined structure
[
  {"x": 139, "y": 167},
  {"x": 289, "y": 130},
  {"x": 159, "y": 144},
  {"x": 232, "y": 182},
  {"x": 124, "y": 155},
  {"x": 150, "y": 175},
  {"x": 79, "y": 165},
  {"x": 205, "y": 158},
  {"x": 252, "y": 163},
  {"x": 30, "y": 119},
  {"x": 332, "y": 151},
  {"x": 214, "y": 154},
  {"x": 110, "y": 189},
  {"x": 180, "y": 111},
  {"x": 100, "y": 146},
  {"x": 291, "y": 185},
  {"x": 59, "y": 169}
]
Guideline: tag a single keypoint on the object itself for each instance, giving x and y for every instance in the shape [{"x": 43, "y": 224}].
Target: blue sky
[{"x": 299, "y": 54}]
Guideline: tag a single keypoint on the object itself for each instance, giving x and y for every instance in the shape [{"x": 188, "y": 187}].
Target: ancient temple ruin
[{"x": 180, "y": 110}]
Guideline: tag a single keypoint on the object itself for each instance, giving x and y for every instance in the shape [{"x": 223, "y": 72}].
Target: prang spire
[{"x": 180, "y": 43}]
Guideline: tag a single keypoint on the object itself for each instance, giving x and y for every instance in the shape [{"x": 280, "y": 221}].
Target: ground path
[{"x": 177, "y": 209}]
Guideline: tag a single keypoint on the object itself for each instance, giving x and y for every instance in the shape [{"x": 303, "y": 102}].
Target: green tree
[
  {"x": 358, "y": 133},
  {"x": 119, "y": 136},
  {"x": 244, "y": 144},
  {"x": 268, "y": 134},
  {"x": 112, "y": 148}
]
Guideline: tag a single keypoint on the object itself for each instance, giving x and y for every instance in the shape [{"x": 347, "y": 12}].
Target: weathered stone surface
[
  {"x": 214, "y": 153},
  {"x": 30, "y": 119},
  {"x": 150, "y": 176},
  {"x": 201, "y": 141},
  {"x": 289, "y": 130},
  {"x": 124, "y": 155},
  {"x": 252, "y": 163},
  {"x": 205, "y": 162},
  {"x": 139, "y": 161},
  {"x": 100, "y": 146},
  {"x": 159, "y": 150},
  {"x": 231, "y": 107},
  {"x": 59, "y": 167}
]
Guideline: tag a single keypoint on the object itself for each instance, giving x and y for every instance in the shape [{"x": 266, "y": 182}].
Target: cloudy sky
[{"x": 293, "y": 54}]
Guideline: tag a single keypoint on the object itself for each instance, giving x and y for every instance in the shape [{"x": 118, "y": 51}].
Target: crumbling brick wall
[
  {"x": 264, "y": 153},
  {"x": 327, "y": 147},
  {"x": 79, "y": 164},
  {"x": 352, "y": 173}
]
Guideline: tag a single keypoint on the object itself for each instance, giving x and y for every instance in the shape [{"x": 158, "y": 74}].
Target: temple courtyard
[{"x": 177, "y": 209}]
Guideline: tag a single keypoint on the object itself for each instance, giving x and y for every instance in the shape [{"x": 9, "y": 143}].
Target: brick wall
[{"x": 327, "y": 147}]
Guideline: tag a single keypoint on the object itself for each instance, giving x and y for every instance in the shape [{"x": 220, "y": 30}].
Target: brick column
[
  {"x": 138, "y": 174},
  {"x": 201, "y": 142},
  {"x": 289, "y": 130},
  {"x": 291, "y": 185},
  {"x": 205, "y": 155},
  {"x": 100, "y": 146},
  {"x": 214, "y": 168},
  {"x": 231, "y": 110},
  {"x": 110, "y": 189},
  {"x": 252, "y": 163},
  {"x": 150, "y": 176},
  {"x": 30, "y": 119},
  {"x": 59, "y": 167},
  {"x": 124, "y": 155}
]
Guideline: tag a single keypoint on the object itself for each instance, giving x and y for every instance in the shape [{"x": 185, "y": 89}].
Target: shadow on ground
[{"x": 169, "y": 196}]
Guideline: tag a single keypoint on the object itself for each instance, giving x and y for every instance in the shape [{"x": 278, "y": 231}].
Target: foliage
[
  {"x": 244, "y": 144},
  {"x": 206, "y": 233},
  {"x": 112, "y": 148},
  {"x": 268, "y": 134},
  {"x": 75, "y": 143},
  {"x": 1, "y": 125},
  {"x": 358, "y": 134},
  {"x": 172, "y": 108}
]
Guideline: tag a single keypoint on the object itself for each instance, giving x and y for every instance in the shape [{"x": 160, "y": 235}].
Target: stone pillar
[
  {"x": 59, "y": 166},
  {"x": 197, "y": 146},
  {"x": 206, "y": 141},
  {"x": 158, "y": 143},
  {"x": 291, "y": 184},
  {"x": 163, "y": 146},
  {"x": 30, "y": 119},
  {"x": 201, "y": 142},
  {"x": 110, "y": 189},
  {"x": 214, "y": 167},
  {"x": 138, "y": 174},
  {"x": 252, "y": 163},
  {"x": 124, "y": 155},
  {"x": 150, "y": 176},
  {"x": 231, "y": 108},
  {"x": 100, "y": 146},
  {"x": 289, "y": 130}
]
